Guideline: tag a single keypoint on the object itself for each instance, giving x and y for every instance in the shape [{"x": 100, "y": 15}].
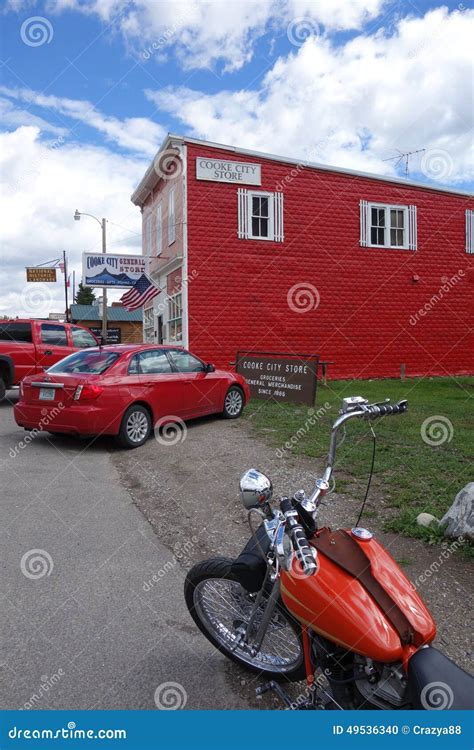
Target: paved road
[{"x": 80, "y": 627}]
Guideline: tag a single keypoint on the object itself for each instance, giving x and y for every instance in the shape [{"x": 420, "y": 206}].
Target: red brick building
[{"x": 259, "y": 252}]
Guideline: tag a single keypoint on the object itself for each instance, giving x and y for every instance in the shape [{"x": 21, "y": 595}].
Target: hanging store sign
[
  {"x": 41, "y": 274},
  {"x": 279, "y": 377},
  {"x": 112, "y": 271},
  {"x": 220, "y": 170}
]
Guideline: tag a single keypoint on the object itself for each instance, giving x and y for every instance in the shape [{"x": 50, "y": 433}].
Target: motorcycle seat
[{"x": 436, "y": 682}]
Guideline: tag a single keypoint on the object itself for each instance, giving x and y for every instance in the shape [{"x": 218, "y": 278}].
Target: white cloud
[
  {"x": 356, "y": 104},
  {"x": 204, "y": 32},
  {"x": 137, "y": 134},
  {"x": 41, "y": 187}
]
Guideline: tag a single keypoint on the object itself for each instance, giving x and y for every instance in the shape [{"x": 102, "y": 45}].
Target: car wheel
[
  {"x": 233, "y": 403},
  {"x": 135, "y": 428}
]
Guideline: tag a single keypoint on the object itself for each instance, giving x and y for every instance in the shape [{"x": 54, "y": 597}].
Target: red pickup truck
[{"x": 30, "y": 346}]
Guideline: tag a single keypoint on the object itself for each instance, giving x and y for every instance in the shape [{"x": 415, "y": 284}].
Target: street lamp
[{"x": 103, "y": 224}]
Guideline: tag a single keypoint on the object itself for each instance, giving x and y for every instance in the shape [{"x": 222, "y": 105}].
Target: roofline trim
[{"x": 170, "y": 138}]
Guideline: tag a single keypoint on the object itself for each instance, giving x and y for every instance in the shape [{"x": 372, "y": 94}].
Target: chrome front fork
[{"x": 254, "y": 645}]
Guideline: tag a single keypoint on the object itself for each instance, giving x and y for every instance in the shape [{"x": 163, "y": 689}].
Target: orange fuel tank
[{"x": 337, "y": 606}]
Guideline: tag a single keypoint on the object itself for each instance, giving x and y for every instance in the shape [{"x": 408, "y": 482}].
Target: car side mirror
[{"x": 210, "y": 368}]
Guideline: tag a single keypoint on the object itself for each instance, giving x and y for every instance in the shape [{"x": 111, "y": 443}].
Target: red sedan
[{"x": 126, "y": 391}]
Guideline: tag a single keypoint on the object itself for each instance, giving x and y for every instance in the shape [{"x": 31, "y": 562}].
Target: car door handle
[{"x": 48, "y": 352}]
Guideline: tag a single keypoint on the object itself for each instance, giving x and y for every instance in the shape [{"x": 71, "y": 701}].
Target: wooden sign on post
[{"x": 280, "y": 377}]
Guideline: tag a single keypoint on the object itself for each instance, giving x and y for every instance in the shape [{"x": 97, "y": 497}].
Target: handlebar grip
[
  {"x": 304, "y": 552},
  {"x": 384, "y": 410}
]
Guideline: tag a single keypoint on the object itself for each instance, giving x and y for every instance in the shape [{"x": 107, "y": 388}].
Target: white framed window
[
  {"x": 147, "y": 234},
  {"x": 388, "y": 226},
  {"x": 159, "y": 229},
  {"x": 171, "y": 217},
  {"x": 260, "y": 215},
  {"x": 148, "y": 325},
  {"x": 175, "y": 318},
  {"x": 470, "y": 231}
]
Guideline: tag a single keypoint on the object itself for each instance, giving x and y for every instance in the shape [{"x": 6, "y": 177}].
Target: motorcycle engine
[{"x": 385, "y": 686}]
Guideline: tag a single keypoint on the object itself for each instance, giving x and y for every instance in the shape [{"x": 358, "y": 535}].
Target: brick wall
[{"x": 366, "y": 320}]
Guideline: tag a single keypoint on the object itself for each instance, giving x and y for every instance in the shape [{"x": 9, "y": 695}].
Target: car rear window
[
  {"x": 16, "y": 332},
  {"x": 94, "y": 362}
]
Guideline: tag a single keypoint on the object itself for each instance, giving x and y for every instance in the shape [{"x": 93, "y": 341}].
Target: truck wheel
[{"x": 3, "y": 389}]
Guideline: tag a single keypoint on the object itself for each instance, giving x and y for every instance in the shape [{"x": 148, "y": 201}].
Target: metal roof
[
  {"x": 151, "y": 177},
  {"x": 114, "y": 314}
]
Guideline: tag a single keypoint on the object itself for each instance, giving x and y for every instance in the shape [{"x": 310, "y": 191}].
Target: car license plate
[{"x": 46, "y": 394}]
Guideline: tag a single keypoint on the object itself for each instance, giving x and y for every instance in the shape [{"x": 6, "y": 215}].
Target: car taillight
[{"x": 87, "y": 392}]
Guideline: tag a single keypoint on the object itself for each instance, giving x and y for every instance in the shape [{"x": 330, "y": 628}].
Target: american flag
[{"x": 142, "y": 291}]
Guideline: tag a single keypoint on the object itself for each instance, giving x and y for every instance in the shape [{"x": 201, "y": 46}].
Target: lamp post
[{"x": 103, "y": 224}]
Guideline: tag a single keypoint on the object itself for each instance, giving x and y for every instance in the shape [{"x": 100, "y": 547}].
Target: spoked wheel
[
  {"x": 219, "y": 606},
  {"x": 233, "y": 403}
]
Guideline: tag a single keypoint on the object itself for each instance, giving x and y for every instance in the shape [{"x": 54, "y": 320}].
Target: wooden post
[{"x": 402, "y": 373}]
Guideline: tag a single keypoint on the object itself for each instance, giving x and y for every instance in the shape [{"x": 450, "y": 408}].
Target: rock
[
  {"x": 426, "y": 519},
  {"x": 459, "y": 520}
]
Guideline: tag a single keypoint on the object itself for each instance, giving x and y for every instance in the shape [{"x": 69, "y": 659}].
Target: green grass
[{"x": 410, "y": 475}]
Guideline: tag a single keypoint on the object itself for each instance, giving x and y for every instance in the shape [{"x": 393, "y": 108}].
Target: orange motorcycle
[{"x": 332, "y": 607}]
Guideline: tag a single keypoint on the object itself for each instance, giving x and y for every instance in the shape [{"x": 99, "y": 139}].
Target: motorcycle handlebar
[
  {"x": 384, "y": 410},
  {"x": 304, "y": 552}
]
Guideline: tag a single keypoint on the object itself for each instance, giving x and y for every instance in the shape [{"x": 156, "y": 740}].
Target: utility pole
[
  {"x": 103, "y": 225},
  {"x": 104, "y": 290},
  {"x": 65, "y": 285}
]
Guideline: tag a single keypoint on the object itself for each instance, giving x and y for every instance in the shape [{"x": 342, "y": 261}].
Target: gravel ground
[{"x": 188, "y": 490}]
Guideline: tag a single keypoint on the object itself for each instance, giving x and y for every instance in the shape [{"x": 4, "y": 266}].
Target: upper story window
[
  {"x": 171, "y": 217},
  {"x": 470, "y": 231},
  {"x": 159, "y": 229},
  {"x": 147, "y": 234},
  {"x": 260, "y": 215},
  {"x": 389, "y": 226}
]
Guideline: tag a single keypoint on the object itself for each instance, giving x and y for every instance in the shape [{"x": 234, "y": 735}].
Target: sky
[{"x": 89, "y": 89}]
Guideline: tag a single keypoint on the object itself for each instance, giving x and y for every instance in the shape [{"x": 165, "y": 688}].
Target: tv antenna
[{"x": 404, "y": 156}]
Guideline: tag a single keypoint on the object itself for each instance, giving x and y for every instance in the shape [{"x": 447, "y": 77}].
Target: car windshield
[{"x": 91, "y": 361}]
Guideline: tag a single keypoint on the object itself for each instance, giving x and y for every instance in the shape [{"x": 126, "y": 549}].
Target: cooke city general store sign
[{"x": 218, "y": 170}]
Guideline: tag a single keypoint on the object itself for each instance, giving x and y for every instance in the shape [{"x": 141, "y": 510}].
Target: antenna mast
[{"x": 404, "y": 156}]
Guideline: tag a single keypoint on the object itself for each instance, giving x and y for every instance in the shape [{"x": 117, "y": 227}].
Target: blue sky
[{"x": 90, "y": 87}]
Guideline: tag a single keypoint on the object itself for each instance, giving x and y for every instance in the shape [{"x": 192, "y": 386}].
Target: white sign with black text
[{"x": 220, "y": 170}]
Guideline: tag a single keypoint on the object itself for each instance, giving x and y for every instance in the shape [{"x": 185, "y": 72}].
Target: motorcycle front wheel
[{"x": 219, "y": 605}]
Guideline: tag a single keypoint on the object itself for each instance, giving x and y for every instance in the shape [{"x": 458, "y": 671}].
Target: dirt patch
[{"x": 189, "y": 493}]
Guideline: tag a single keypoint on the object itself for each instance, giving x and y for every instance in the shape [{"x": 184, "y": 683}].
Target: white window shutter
[
  {"x": 470, "y": 231},
  {"x": 412, "y": 229},
  {"x": 243, "y": 214},
  {"x": 364, "y": 224},
  {"x": 278, "y": 233}
]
